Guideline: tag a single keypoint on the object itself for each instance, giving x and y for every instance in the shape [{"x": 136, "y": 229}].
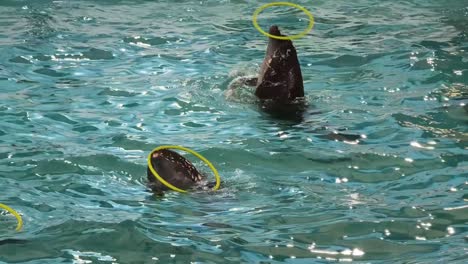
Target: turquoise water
[{"x": 89, "y": 88}]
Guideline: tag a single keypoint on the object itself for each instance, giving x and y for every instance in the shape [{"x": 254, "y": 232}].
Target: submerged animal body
[
  {"x": 280, "y": 77},
  {"x": 173, "y": 168}
]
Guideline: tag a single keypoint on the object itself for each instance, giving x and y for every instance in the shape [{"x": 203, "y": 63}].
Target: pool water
[{"x": 89, "y": 88}]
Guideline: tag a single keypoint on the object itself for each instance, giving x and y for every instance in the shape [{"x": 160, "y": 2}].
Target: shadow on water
[
  {"x": 291, "y": 115},
  {"x": 287, "y": 111}
]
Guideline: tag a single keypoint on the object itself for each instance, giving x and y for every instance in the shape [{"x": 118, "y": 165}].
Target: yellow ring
[
  {"x": 196, "y": 154},
  {"x": 13, "y": 212},
  {"x": 300, "y": 35}
]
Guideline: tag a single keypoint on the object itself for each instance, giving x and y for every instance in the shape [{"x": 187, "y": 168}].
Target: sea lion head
[{"x": 173, "y": 168}]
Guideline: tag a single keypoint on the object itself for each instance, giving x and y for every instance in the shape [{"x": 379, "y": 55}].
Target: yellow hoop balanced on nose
[
  {"x": 196, "y": 154},
  {"x": 300, "y": 35},
  {"x": 13, "y": 212}
]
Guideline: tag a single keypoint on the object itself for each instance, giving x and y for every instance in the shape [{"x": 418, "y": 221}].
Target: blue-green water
[{"x": 89, "y": 88}]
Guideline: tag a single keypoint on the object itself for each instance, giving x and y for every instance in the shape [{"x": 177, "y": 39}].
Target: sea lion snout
[{"x": 274, "y": 30}]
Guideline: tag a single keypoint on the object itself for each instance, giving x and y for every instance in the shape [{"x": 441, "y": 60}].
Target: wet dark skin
[
  {"x": 280, "y": 77},
  {"x": 173, "y": 168}
]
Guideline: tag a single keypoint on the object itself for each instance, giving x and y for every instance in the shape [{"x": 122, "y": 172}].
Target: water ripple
[{"x": 375, "y": 171}]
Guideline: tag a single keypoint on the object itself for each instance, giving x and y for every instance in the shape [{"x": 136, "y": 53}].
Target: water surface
[{"x": 89, "y": 88}]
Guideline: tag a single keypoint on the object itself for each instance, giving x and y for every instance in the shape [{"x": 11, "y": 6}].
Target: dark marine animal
[
  {"x": 173, "y": 168},
  {"x": 279, "y": 87},
  {"x": 280, "y": 77}
]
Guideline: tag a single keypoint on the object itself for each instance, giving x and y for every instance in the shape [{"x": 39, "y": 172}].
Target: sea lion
[
  {"x": 280, "y": 77},
  {"x": 173, "y": 168},
  {"x": 279, "y": 88}
]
